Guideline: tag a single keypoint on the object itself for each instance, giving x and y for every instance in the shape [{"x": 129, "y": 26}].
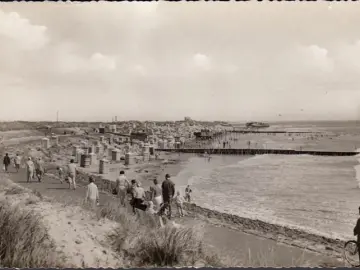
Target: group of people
[
  {"x": 157, "y": 200},
  {"x": 33, "y": 168},
  {"x": 70, "y": 175}
]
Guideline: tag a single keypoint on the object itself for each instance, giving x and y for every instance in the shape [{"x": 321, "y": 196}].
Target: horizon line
[{"x": 134, "y": 120}]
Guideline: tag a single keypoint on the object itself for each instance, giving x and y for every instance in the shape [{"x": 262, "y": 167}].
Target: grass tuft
[
  {"x": 38, "y": 194},
  {"x": 169, "y": 246},
  {"x": 24, "y": 240},
  {"x": 15, "y": 190},
  {"x": 141, "y": 240}
]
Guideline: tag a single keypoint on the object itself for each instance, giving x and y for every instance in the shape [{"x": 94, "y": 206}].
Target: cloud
[
  {"x": 347, "y": 56},
  {"x": 190, "y": 58},
  {"x": 139, "y": 69},
  {"x": 102, "y": 62},
  {"x": 67, "y": 58},
  {"x": 202, "y": 61},
  {"x": 19, "y": 30},
  {"x": 317, "y": 57}
]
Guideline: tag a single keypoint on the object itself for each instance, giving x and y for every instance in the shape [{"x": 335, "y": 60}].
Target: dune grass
[
  {"x": 169, "y": 246},
  {"x": 141, "y": 240},
  {"x": 15, "y": 190},
  {"x": 24, "y": 240}
]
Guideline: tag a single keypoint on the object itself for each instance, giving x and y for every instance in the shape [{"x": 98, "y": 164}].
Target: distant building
[
  {"x": 204, "y": 134},
  {"x": 141, "y": 136},
  {"x": 187, "y": 119}
]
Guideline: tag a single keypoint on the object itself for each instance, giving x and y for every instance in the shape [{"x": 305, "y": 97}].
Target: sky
[{"x": 231, "y": 61}]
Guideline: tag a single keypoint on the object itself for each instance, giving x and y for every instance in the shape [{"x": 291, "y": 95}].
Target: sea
[{"x": 317, "y": 194}]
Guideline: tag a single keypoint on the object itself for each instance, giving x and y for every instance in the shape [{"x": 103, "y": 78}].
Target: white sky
[{"x": 163, "y": 61}]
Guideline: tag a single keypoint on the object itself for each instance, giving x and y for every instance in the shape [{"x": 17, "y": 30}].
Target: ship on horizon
[{"x": 257, "y": 125}]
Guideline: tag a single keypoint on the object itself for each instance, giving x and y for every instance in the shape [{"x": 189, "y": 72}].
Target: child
[
  {"x": 188, "y": 193},
  {"x": 150, "y": 208},
  {"x": 179, "y": 203},
  {"x": 61, "y": 174}
]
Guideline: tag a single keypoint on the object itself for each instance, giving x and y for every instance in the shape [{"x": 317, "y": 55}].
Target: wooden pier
[
  {"x": 251, "y": 152},
  {"x": 273, "y": 132}
]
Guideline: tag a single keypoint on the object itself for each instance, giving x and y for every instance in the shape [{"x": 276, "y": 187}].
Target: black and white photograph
[{"x": 179, "y": 134}]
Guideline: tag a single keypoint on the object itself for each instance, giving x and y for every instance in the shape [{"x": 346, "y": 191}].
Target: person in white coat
[
  {"x": 30, "y": 168},
  {"x": 92, "y": 193}
]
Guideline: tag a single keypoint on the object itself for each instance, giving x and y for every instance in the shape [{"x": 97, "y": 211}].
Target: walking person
[
  {"x": 17, "y": 161},
  {"x": 30, "y": 169},
  {"x": 39, "y": 169},
  {"x": 168, "y": 192},
  {"x": 122, "y": 185},
  {"x": 92, "y": 193},
  {"x": 72, "y": 174},
  {"x": 188, "y": 193},
  {"x": 156, "y": 194},
  {"x": 357, "y": 233},
  {"x": 153, "y": 212},
  {"x": 132, "y": 192},
  {"x": 179, "y": 203},
  {"x": 139, "y": 198},
  {"x": 6, "y": 162},
  {"x": 61, "y": 174}
]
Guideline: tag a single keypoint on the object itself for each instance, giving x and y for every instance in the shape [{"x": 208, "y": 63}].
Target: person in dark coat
[
  {"x": 168, "y": 192},
  {"x": 357, "y": 233},
  {"x": 6, "y": 162}
]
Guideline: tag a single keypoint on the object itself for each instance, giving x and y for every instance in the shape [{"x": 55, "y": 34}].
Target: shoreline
[{"x": 279, "y": 233}]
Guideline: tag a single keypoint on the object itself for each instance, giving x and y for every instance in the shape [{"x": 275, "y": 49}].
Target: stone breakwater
[{"x": 286, "y": 235}]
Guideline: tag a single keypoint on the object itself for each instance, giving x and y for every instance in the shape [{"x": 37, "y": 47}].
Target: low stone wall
[
  {"x": 102, "y": 183},
  {"x": 273, "y": 231}
]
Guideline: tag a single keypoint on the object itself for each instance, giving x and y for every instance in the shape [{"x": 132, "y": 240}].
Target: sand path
[{"x": 78, "y": 236}]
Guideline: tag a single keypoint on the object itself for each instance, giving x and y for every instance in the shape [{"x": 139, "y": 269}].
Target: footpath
[{"x": 52, "y": 187}]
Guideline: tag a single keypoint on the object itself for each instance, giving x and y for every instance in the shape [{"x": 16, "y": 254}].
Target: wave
[{"x": 249, "y": 161}]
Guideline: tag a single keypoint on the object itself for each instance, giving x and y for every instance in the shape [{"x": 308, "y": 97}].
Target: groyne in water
[
  {"x": 273, "y": 132},
  {"x": 252, "y": 152}
]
